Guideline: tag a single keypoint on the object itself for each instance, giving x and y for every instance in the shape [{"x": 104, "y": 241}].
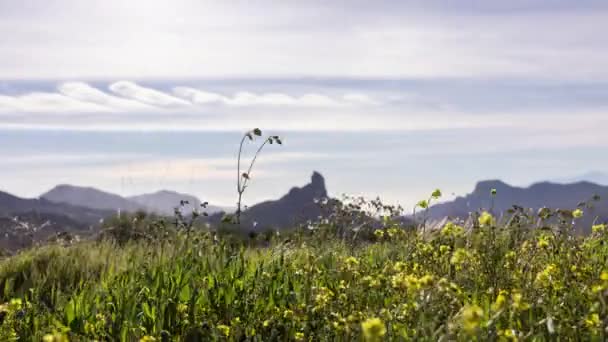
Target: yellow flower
[
  {"x": 486, "y": 219},
  {"x": 598, "y": 228},
  {"x": 518, "y": 302},
  {"x": 373, "y": 329},
  {"x": 543, "y": 242},
  {"x": 351, "y": 261},
  {"x": 392, "y": 231},
  {"x": 299, "y": 336},
  {"x": 508, "y": 334},
  {"x": 577, "y": 213},
  {"x": 593, "y": 321},
  {"x": 379, "y": 233},
  {"x": 15, "y": 304},
  {"x": 146, "y": 339},
  {"x": 55, "y": 337},
  {"x": 224, "y": 329},
  {"x": 547, "y": 277},
  {"x": 471, "y": 318},
  {"x": 452, "y": 230},
  {"x": 501, "y": 301},
  {"x": 604, "y": 276},
  {"x": 287, "y": 314}
]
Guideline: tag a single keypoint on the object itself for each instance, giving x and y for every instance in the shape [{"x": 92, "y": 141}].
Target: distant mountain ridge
[
  {"x": 162, "y": 202},
  {"x": 294, "y": 208},
  {"x": 538, "y": 195},
  {"x": 13, "y": 205},
  {"x": 89, "y": 197}
]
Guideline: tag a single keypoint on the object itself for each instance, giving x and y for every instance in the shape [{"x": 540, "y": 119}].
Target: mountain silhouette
[
  {"x": 297, "y": 206},
  {"x": 13, "y": 205},
  {"x": 536, "y": 196},
  {"x": 89, "y": 197},
  {"x": 161, "y": 202}
]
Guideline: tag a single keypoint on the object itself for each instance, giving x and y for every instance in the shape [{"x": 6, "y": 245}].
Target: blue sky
[{"x": 388, "y": 98}]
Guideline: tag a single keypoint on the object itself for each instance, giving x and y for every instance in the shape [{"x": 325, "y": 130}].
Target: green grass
[{"x": 493, "y": 283}]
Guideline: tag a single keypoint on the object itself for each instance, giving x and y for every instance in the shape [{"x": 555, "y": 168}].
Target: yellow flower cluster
[{"x": 373, "y": 329}]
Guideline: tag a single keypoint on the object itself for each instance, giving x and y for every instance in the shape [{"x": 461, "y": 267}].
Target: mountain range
[
  {"x": 536, "y": 196},
  {"x": 162, "y": 202},
  {"x": 81, "y": 209}
]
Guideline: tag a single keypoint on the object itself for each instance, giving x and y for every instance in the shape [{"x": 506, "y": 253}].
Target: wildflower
[
  {"x": 604, "y": 276},
  {"x": 427, "y": 280},
  {"x": 224, "y": 329},
  {"x": 593, "y": 321},
  {"x": 379, "y": 233},
  {"x": 471, "y": 318},
  {"x": 56, "y": 337},
  {"x": 287, "y": 314},
  {"x": 299, "y": 336},
  {"x": 577, "y": 213},
  {"x": 508, "y": 334},
  {"x": 493, "y": 192},
  {"x": 266, "y": 323},
  {"x": 392, "y": 232},
  {"x": 351, "y": 262},
  {"x": 444, "y": 249},
  {"x": 486, "y": 219},
  {"x": 501, "y": 301},
  {"x": 460, "y": 257},
  {"x": 143, "y": 339},
  {"x": 518, "y": 303},
  {"x": 373, "y": 329},
  {"x": 323, "y": 296},
  {"x": 405, "y": 281},
  {"x": 400, "y": 266},
  {"x": 598, "y": 228},
  {"x": 15, "y": 304},
  {"x": 547, "y": 276},
  {"x": 452, "y": 230},
  {"x": 543, "y": 242}
]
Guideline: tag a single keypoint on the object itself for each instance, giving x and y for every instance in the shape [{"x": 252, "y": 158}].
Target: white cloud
[
  {"x": 84, "y": 92},
  {"x": 134, "y": 98},
  {"x": 246, "y": 99},
  {"x": 38, "y": 102},
  {"x": 145, "y": 95}
]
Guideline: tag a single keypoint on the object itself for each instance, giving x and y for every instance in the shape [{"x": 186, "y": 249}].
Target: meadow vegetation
[{"x": 499, "y": 279}]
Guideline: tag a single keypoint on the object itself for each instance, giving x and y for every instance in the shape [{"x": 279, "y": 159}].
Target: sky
[{"x": 384, "y": 98}]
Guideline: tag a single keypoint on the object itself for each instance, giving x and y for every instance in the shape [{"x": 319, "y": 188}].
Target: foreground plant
[{"x": 245, "y": 177}]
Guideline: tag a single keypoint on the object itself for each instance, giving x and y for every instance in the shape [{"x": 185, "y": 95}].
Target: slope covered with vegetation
[{"x": 496, "y": 280}]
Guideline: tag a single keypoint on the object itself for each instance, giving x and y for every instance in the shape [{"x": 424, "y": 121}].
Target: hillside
[
  {"x": 89, "y": 197},
  {"x": 543, "y": 194},
  {"x": 13, "y": 205}
]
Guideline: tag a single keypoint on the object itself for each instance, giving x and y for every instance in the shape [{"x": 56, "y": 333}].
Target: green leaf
[{"x": 70, "y": 311}]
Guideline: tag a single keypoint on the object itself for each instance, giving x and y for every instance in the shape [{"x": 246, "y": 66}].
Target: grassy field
[{"x": 497, "y": 281}]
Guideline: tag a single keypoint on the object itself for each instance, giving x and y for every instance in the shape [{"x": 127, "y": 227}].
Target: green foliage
[{"x": 498, "y": 279}]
